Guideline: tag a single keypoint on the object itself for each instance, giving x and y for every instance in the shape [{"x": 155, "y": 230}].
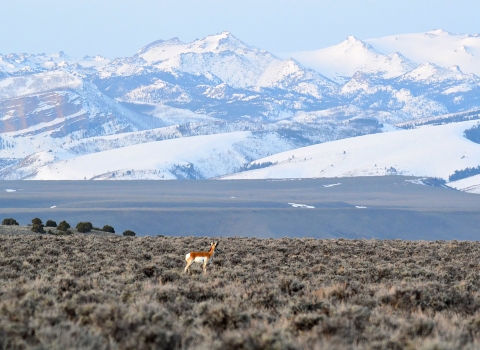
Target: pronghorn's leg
[
  {"x": 205, "y": 267},
  {"x": 189, "y": 263}
]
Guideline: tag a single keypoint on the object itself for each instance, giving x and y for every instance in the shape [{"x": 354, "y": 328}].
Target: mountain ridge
[{"x": 55, "y": 108}]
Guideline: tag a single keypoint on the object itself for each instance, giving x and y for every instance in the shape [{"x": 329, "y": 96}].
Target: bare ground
[
  {"x": 99, "y": 292},
  {"x": 388, "y": 207}
]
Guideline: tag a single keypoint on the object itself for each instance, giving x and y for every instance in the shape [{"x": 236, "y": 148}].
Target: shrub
[
  {"x": 310, "y": 293},
  {"x": 37, "y": 228},
  {"x": 50, "y": 223},
  {"x": 108, "y": 228},
  {"x": 129, "y": 233},
  {"x": 9, "y": 222},
  {"x": 63, "y": 226},
  {"x": 84, "y": 227},
  {"x": 37, "y": 221}
]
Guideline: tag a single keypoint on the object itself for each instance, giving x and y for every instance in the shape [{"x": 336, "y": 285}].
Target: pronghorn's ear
[
  {"x": 216, "y": 243},
  {"x": 211, "y": 243}
]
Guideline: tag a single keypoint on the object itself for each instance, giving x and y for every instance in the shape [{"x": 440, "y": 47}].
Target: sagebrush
[{"x": 95, "y": 292}]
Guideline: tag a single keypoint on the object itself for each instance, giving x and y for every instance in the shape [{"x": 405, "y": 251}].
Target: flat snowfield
[{"x": 392, "y": 207}]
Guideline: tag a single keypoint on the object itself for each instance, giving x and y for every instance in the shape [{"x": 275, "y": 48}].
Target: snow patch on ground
[
  {"x": 296, "y": 205},
  {"x": 331, "y": 185},
  {"x": 417, "y": 181}
]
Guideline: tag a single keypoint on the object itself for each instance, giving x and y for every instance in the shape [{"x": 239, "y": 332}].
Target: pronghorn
[{"x": 200, "y": 257}]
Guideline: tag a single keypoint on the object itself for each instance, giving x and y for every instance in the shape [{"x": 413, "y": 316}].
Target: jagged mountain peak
[
  {"x": 438, "y": 46},
  {"x": 289, "y": 67},
  {"x": 353, "y": 43},
  {"x": 292, "y": 62},
  {"x": 425, "y": 71},
  {"x": 224, "y": 41},
  {"x": 162, "y": 50},
  {"x": 159, "y": 44},
  {"x": 399, "y": 64},
  {"x": 96, "y": 57},
  {"x": 398, "y": 56},
  {"x": 21, "y": 64},
  {"x": 223, "y": 55},
  {"x": 60, "y": 55},
  {"x": 292, "y": 66},
  {"x": 438, "y": 32},
  {"x": 430, "y": 71},
  {"x": 340, "y": 62}
]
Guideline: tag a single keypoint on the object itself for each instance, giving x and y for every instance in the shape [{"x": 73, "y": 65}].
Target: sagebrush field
[{"x": 99, "y": 292}]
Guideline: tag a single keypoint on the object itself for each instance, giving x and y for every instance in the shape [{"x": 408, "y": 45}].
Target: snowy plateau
[{"x": 219, "y": 108}]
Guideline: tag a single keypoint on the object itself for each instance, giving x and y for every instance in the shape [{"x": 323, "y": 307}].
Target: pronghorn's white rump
[{"x": 200, "y": 257}]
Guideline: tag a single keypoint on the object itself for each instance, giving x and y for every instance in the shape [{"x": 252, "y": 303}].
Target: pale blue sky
[{"x": 116, "y": 28}]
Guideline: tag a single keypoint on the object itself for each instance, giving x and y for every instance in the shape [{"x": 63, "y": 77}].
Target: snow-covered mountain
[
  {"x": 407, "y": 76},
  {"x": 427, "y": 90},
  {"x": 342, "y": 61},
  {"x": 405, "y": 50},
  {"x": 22, "y": 64},
  {"x": 218, "y": 75},
  {"x": 220, "y": 58},
  {"x": 214, "y": 106},
  {"x": 437, "y": 46}
]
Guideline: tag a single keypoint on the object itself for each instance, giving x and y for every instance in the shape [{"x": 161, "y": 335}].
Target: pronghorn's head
[{"x": 213, "y": 245}]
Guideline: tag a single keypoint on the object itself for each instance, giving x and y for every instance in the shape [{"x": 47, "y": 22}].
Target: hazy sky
[{"x": 116, "y": 28}]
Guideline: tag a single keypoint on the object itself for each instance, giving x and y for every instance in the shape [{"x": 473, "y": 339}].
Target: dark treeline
[
  {"x": 473, "y": 134},
  {"x": 463, "y": 174}
]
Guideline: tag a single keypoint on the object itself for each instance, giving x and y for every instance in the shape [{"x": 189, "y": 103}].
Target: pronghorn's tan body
[{"x": 200, "y": 257}]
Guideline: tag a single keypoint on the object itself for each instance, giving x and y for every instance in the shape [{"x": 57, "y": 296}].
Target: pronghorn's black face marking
[{"x": 216, "y": 248}]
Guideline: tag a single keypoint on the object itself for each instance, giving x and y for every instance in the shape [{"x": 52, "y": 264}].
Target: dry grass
[{"x": 98, "y": 292}]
